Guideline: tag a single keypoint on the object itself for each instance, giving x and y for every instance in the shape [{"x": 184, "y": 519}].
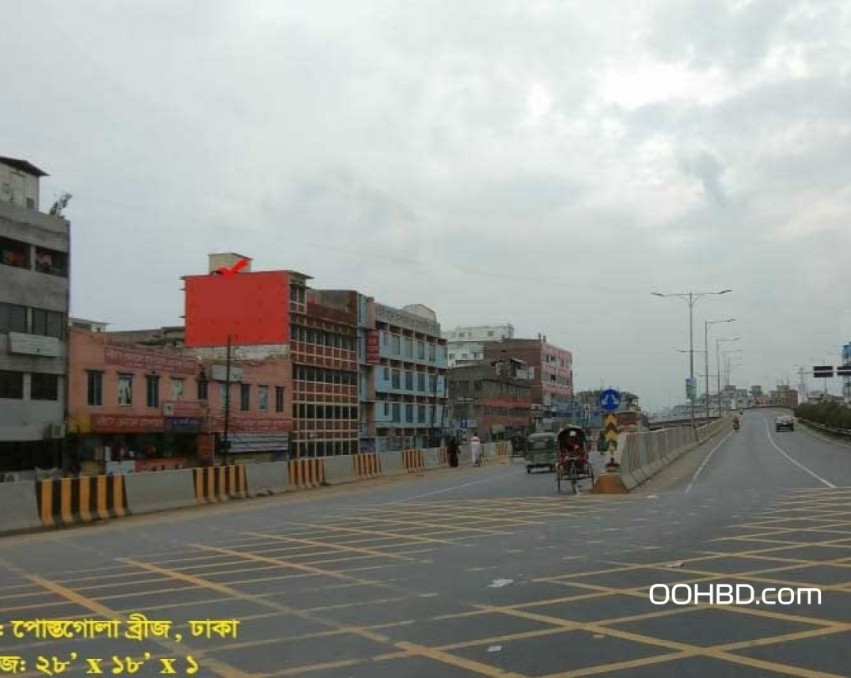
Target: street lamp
[
  {"x": 718, "y": 366},
  {"x": 691, "y": 298},
  {"x": 706, "y": 325}
]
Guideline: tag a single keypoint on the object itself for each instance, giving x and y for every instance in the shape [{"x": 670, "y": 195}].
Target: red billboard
[
  {"x": 373, "y": 347},
  {"x": 253, "y": 308}
]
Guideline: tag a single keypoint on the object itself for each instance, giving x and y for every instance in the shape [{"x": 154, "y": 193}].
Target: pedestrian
[
  {"x": 476, "y": 449},
  {"x": 452, "y": 452}
]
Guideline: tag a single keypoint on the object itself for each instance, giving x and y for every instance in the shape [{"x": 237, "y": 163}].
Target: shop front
[{"x": 117, "y": 443}]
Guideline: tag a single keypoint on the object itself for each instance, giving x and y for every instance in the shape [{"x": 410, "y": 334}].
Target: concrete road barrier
[
  {"x": 18, "y": 507},
  {"x": 642, "y": 455},
  {"x": 306, "y": 473},
  {"x": 431, "y": 458},
  {"x": 391, "y": 463},
  {"x": 338, "y": 469},
  {"x": 367, "y": 465},
  {"x": 414, "y": 461},
  {"x": 219, "y": 483},
  {"x": 268, "y": 477},
  {"x": 76, "y": 501},
  {"x": 160, "y": 491}
]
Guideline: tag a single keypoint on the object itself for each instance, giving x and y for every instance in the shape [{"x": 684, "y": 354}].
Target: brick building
[
  {"x": 149, "y": 408},
  {"x": 552, "y": 367},
  {"x": 494, "y": 400}
]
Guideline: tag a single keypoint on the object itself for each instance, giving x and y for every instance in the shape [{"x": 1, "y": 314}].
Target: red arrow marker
[{"x": 239, "y": 265}]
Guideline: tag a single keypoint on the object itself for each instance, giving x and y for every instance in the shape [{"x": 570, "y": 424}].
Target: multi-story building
[
  {"x": 271, "y": 313},
  {"x": 492, "y": 400},
  {"x": 783, "y": 396},
  {"x": 138, "y": 408},
  {"x": 324, "y": 329},
  {"x": 410, "y": 377},
  {"x": 34, "y": 301},
  {"x": 466, "y": 345},
  {"x": 552, "y": 378}
]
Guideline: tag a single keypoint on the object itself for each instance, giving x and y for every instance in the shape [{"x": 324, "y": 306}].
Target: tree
[{"x": 61, "y": 203}]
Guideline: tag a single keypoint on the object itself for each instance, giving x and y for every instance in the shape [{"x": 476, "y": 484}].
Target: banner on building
[
  {"x": 148, "y": 361},
  {"x": 373, "y": 347},
  {"x": 123, "y": 423}
]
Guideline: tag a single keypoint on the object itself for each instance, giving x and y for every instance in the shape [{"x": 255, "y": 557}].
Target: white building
[{"x": 466, "y": 345}]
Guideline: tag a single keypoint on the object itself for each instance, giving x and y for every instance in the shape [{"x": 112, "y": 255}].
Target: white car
[{"x": 784, "y": 423}]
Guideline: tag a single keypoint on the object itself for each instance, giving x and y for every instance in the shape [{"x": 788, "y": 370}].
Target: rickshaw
[
  {"x": 541, "y": 451},
  {"x": 573, "y": 462}
]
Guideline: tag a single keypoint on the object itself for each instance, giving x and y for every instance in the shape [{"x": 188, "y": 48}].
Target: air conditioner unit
[{"x": 57, "y": 430}]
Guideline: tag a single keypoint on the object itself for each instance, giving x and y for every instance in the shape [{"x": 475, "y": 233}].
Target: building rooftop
[{"x": 24, "y": 166}]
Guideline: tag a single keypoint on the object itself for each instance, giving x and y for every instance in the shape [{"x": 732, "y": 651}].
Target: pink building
[{"x": 151, "y": 408}]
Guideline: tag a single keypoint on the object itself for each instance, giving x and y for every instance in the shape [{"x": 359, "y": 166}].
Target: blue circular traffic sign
[{"x": 610, "y": 400}]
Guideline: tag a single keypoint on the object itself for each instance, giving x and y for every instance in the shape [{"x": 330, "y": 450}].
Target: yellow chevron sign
[{"x": 610, "y": 423}]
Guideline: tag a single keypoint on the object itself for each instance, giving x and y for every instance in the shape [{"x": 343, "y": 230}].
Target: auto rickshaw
[{"x": 541, "y": 451}]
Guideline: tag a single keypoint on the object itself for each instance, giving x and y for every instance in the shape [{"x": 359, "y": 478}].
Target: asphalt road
[{"x": 472, "y": 571}]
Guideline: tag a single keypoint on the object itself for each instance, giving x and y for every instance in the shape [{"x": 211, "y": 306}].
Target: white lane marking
[
  {"x": 798, "y": 464},
  {"x": 706, "y": 461},
  {"x": 446, "y": 489}
]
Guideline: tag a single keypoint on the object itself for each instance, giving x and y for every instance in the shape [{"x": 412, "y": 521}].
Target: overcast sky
[{"x": 547, "y": 164}]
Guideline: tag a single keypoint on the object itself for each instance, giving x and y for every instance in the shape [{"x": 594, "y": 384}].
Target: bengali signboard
[
  {"x": 183, "y": 424},
  {"x": 373, "y": 347},
  {"x": 251, "y": 424},
  {"x": 149, "y": 361},
  {"x": 124, "y": 423}
]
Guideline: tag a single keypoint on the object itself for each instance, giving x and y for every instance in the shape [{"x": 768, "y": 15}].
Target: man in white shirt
[{"x": 476, "y": 450}]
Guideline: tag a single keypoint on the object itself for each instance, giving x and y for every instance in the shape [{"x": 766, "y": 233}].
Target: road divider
[
  {"x": 63, "y": 502},
  {"x": 640, "y": 456}
]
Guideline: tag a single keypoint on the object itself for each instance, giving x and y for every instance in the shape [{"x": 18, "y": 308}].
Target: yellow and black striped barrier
[
  {"x": 75, "y": 501},
  {"x": 219, "y": 483}
]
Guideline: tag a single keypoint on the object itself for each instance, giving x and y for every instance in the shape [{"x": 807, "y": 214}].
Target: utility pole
[{"x": 226, "y": 442}]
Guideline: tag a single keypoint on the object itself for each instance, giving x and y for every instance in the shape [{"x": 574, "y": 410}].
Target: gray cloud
[{"x": 547, "y": 164}]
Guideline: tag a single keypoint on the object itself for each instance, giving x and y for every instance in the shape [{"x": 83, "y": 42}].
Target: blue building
[{"x": 404, "y": 379}]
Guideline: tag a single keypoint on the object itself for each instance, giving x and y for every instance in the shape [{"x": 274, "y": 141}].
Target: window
[
  {"x": 202, "y": 389},
  {"x": 225, "y": 395},
  {"x": 397, "y": 416},
  {"x": 51, "y": 262},
  {"x": 397, "y": 344},
  {"x": 420, "y": 350},
  {"x": 245, "y": 397},
  {"x": 125, "y": 389},
  {"x": 386, "y": 409},
  {"x": 13, "y": 318},
  {"x": 44, "y": 386},
  {"x": 421, "y": 381},
  {"x": 432, "y": 353},
  {"x": 177, "y": 389},
  {"x": 409, "y": 413},
  {"x": 386, "y": 373},
  {"x": 14, "y": 253},
  {"x": 409, "y": 348},
  {"x": 152, "y": 387},
  {"x": 48, "y": 323},
  {"x": 409, "y": 381},
  {"x": 279, "y": 399},
  {"x": 396, "y": 383},
  {"x": 11, "y": 385},
  {"x": 95, "y": 388},
  {"x": 263, "y": 398},
  {"x": 421, "y": 414}
]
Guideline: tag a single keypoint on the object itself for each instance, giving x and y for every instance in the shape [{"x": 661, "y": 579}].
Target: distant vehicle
[{"x": 784, "y": 423}]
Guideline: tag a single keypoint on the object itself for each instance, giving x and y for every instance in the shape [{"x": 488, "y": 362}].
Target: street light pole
[
  {"x": 706, "y": 325},
  {"x": 691, "y": 298}
]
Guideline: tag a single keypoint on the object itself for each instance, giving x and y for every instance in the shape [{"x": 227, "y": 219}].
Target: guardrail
[
  {"x": 27, "y": 506},
  {"x": 844, "y": 432}
]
